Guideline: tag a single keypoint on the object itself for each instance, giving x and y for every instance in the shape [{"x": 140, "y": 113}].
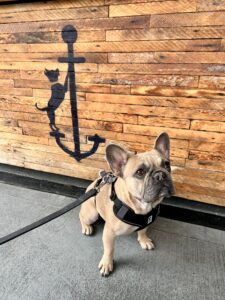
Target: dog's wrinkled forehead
[{"x": 151, "y": 160}]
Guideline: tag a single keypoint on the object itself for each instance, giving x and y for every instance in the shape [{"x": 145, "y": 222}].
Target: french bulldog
[{"x": 143, "y": 180}]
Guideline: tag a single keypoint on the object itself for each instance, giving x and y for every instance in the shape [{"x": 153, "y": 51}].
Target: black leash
[{"x": 106, "y": 178}]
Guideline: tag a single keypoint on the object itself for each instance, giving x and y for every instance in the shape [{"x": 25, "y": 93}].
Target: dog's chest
[
  {"x": 123, "y": 229},
  {"x": 144, "y": 207}
]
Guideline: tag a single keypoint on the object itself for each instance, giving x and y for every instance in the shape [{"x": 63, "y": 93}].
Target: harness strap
[{"x": 127, "y": 214}]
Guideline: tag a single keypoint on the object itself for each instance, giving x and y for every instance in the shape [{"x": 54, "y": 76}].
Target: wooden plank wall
[{"x": 151, "y": 66}]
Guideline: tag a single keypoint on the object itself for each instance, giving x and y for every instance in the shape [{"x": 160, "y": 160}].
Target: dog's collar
[{"x": 127, "y": 214}]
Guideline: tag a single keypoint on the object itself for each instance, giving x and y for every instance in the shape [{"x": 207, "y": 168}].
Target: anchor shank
[{"x": 73, "y": 99}]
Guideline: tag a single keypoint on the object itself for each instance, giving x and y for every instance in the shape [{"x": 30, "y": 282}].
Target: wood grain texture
[
  {"x": 144, "y": 110},
  {"x": 150, "y": 66},
  {"x": 210, "y": 5},
  {"x": 177, "y": 92},
  {"x": 185, "y": 19},
  {"x": 205, "y": 146},
  {"x": 177, "y": 133},
  {"x": 190, "y": 57},
  {"x": 58, "y": 4},
  {"x": 136, "y": 46},
  {"x": 49, "y": 57},
  {"x": 152, "y": 8},
  {"x": 206, "y": 165},
  {"x": 208, "y": 126},
  {"x": 167, "y": 33},
  {"x": 55, "y": 14},
  {"x": 49, "y": 37},
  {"x": 82, "y": 24},
  {"x": 133, "y": 73},
  {"x": 131, "y": 1},
  {"x": 211, "y": 104},
  {"x": 185, "y": 69}
]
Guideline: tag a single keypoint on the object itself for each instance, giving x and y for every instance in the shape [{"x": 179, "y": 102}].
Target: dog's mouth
[
  {"x": 166, "y": 192},
  {"x": 152, "y": 195}
]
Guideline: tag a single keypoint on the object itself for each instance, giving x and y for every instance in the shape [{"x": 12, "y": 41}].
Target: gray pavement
[{"x": 57, "y": 262}]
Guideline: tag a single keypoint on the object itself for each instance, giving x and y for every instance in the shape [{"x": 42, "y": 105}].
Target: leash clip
[{"x": 107, "y": 177}]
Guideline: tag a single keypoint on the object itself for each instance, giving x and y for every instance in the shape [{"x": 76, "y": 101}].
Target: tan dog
[{"x": 143, "y": 181}]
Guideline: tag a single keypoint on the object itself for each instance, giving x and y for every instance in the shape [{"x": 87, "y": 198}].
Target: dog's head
[{"x": 147, "y": 175}]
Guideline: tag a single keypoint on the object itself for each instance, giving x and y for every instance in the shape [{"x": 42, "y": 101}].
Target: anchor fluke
[
  {"x": 57, "y": 134},
  {"x": 96, "y": 138}
]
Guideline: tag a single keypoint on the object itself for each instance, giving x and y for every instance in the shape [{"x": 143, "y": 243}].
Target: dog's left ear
[
  {"x": 162, "y": 144},
  {"x": 117, "y": 158}
]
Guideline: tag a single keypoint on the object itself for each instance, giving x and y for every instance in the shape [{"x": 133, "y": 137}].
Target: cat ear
[{"x": 46, "y": 71}]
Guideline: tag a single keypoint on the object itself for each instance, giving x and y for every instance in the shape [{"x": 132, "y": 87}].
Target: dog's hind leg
[{"x": 88, "y": 215}]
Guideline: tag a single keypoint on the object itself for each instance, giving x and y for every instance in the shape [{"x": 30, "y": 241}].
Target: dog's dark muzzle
[
  {"x": 158, "y": 185},
  {"x": 159, "y": 176},
  {"x": 167, "y": 188}
]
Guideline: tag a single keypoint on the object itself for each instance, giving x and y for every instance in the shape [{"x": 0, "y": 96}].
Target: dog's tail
[{"x": 40, "y": 108}]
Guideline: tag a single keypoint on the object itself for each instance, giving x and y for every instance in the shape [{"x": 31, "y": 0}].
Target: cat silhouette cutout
[{"x": 58, "y": 92}]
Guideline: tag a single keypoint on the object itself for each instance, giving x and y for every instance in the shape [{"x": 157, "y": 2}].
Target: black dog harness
[{"x": 127, "y": 215}]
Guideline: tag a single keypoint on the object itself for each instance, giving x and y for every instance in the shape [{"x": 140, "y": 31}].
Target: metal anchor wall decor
[{"x": 69, "y": 36}]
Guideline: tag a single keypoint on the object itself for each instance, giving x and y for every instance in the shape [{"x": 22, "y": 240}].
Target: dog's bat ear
[
  {"x": 117, "y": 158},
  {"x": 162, "y": 144}
]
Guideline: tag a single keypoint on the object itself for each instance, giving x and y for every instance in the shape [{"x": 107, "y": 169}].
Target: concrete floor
[{"x": 56, "y": 262}]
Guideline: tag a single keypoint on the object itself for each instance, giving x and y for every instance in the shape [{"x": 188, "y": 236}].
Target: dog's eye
[
  {"x": 167, "y": 165},
  {"x": 140, "y": 172}
]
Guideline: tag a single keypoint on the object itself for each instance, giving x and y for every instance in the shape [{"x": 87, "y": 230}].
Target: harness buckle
[{"x": 106, "y": 177}]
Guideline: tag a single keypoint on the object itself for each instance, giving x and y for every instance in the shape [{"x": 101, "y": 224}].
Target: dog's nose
[{"x": 159, "y": 176}]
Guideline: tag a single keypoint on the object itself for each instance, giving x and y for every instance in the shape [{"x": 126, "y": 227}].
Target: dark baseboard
[
  {"x": 174, "y": 208},
  {"x": 194, "y": 212}
]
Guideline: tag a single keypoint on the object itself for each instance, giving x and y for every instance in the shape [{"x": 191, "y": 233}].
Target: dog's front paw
[
  {"x": 87, "y": 229},
  {"x": 146, "y": 243},
  {"x": 105, "y": 266}
]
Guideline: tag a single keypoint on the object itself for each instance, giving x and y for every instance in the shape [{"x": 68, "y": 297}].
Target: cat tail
[{"x": 40, "y": 108}]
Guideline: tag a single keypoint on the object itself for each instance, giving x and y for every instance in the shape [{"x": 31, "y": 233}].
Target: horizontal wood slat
[
  {"x": 166, "y": 33},
  {"x": 55, "y": 14},
  {"x": 185, "y": 19},
  {"x": 49, "y": 37},
  {"x": 152, "y": 8},
  {"x": 38, "y": 5},
  {"x": 184, "y": 69},
  {"x": 207, "y": 5},
  {"x": 82, "y": 24},
  {"x": 136, "y": 46}
]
